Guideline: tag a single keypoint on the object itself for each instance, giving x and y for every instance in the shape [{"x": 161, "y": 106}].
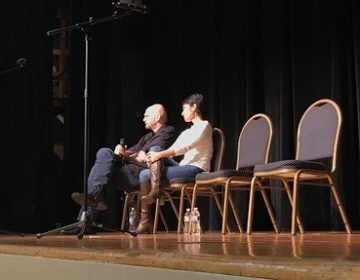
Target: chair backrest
[
  {"x": 218, "y": 149},
  {"x": 254, "y": 141},
  {"x": 319, "y": 131}
]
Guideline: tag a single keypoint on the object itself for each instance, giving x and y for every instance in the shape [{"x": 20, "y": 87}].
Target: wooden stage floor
[{"x": 264, "y": 255}]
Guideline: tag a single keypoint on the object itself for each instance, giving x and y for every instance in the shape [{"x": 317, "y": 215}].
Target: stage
[{"x": 267, "y": 255}]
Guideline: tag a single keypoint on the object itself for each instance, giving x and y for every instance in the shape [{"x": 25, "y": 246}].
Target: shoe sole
[{"x": 79, "y": 199}]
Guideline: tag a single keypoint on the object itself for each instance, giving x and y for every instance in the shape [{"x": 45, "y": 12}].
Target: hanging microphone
[
  {"x": 122, "y": 142},
  {"x": 138, "y": 8},
  {"x": 121, "y": 158},
  {"x": 21, "y": 62}
]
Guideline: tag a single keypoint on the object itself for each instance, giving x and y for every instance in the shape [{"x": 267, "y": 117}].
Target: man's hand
[
  {"x": 141, "y": 156},
  {"x": 120, "y": 150}
]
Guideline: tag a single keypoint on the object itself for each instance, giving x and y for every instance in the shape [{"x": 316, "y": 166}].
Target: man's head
[{"x": 154, "y": 117}]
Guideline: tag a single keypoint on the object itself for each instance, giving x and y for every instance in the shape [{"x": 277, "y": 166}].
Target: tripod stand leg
[
  {"x": 57, "y": 230},
  {"x": 84, "y": 223},
  {"x": 79, "y": 224},
  {"x": 100, "y": 226},
  {"x": 12, "y": 233},
  {"x": 82, "y": 231}
]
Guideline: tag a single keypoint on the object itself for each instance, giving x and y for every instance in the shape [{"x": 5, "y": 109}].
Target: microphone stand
[
  {"x": 21, "y": 65},
  {"x": 84, "y": 220}
]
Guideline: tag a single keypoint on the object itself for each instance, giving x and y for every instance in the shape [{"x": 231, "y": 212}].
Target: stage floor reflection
[{"x": 265, "y": 255}]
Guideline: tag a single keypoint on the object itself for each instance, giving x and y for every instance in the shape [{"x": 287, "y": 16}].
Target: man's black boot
[{"x": 94, "y": 200}]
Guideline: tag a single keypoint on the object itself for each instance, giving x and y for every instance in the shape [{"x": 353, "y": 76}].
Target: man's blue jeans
[{"x": 106, "y": 169}]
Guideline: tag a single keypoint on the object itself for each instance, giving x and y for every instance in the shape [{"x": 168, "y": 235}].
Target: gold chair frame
[
  {"x": 182, "y": 191},
  {"x": 230, "y": 183},
  {"x": 302, "y": 176}
]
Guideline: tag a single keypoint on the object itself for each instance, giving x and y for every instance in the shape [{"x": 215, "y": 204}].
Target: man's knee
[
  {"x": 104, "y": 153},
  {"x": 155, "y": 148}
]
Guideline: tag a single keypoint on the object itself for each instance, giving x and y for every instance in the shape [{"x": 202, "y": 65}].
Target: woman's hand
[{"x": 152, "y": 156}]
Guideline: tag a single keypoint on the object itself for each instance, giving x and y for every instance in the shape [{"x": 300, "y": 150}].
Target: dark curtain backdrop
[
  {"x": 246, "y": 57},
  {"x": 26, "y": 151}
]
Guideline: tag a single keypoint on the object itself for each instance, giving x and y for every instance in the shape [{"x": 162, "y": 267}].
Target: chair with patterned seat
[
  {"x": 253, "y": 148},
  {"x": 316, "y": 152},
  {"x": 180, "y": 189}
]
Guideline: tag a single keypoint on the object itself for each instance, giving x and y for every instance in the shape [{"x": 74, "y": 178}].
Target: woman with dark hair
[{"x": 194, "y": 143}]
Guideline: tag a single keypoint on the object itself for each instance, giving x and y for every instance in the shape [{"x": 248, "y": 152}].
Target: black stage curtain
[
  {"x": 26, "y": 152},
  {"x": 246, "y": 57}
]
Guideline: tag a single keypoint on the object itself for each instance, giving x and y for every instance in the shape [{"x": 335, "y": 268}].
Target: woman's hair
[{"x": 196, "y": 98}]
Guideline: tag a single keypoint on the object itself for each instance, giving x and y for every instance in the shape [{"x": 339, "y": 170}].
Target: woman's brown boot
[
  {"x": 156, "y": 169},
  {"x": 144, "y": 225}
]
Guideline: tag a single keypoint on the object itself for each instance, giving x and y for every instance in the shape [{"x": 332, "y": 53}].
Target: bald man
[{"x": 108, "y": 169}]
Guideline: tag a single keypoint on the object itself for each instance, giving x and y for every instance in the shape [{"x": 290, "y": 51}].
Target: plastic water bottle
[
  {"x": 187, "y": 221},
  {"x": 132, "y": 219},
  {"x": 195, "y": 221}
]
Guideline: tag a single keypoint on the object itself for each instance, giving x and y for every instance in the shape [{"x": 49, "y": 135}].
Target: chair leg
[
  {"x": 290, "y": 196},
  {"x": 164, "y": 220},
  {"x": 225, "y": 206},
  {"x": 219, "y": 206},
  {"x": 129, "y": 197},
  {"x": 193, "y": 201},
  {"x": 158, "y": 213},
  {"x": 235, "y": 213},
  {"x": 183, "y": 191},
  {"x": 339, "y": 204},
  {"x": 295, "y": 202},
  {"x": 173, "y": 206},
  {"x": 269, "y": 209},
  {"x": 181, "y": 207},
  {"x": 251, "y": 205},
  {"x": 156, "y": 216},
  {"x": 124, "y": 213}
]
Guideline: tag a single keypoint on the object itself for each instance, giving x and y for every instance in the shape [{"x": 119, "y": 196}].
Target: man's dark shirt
[{"x": 164, "y": 137}]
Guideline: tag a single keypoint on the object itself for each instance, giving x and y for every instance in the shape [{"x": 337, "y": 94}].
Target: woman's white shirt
[{"x": 196, "y": 144}]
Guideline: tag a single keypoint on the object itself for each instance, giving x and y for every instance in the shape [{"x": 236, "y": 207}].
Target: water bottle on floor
[
  {"x": 187, "y": 221},
  {"x": 132, "y": 219},
  {"x": 195, "y": 221}
]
